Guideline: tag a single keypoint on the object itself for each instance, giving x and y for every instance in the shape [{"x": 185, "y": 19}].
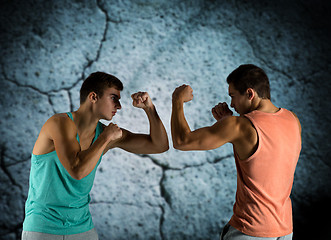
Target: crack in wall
[
  {"x": 123, "y": 203},
  {"x": 253, "y": 47},
  {"x": 164, "y": 166},
  {"x": 86, "y": 66},
  {"x": 15, "y": 161},
  {"x": 164, "y": 194},
  {"x": 71, "y": 102},
  {"x": 24, "y": 86},
  {"x": 6, "y": 171},
  {"x": 163, "y": 191},
  {"x": 9, "y": 229},
  {"x": 90, "y": 62},
  {"x": 174, "y": 37},
  {"x": 4, "y": 166},
  {"x": 217, "y": 160},
  {"x": 139, "y": 206},
  {"x": 47, "y": 94}
]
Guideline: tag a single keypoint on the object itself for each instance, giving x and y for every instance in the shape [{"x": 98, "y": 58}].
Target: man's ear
[
  {"x": 93, "y": 97},
  {"x": 250, "y": 93}
]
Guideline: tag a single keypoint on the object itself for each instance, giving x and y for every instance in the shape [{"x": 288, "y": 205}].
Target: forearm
[
  {"x": 179, "y": 126},
  {"x": 86, "y": 160},
  {"x": 158, "y": 133}
]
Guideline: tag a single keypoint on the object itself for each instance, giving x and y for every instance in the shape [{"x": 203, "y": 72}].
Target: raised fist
[
  {"x": 221, "y": 111},
  {"x": 141, "y": 100},
  {"x": 113, "y": 132},
  {"x": 183, "y": 93}
]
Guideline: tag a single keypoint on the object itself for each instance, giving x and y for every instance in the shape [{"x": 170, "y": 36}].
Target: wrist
[
  {"x": 177, "y": 102},
  {"x": 105, "y": 138},
  {"x": 149, "y": 108}
]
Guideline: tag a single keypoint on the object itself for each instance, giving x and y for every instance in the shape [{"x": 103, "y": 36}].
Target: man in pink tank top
[{"x": 266, "y": 142}]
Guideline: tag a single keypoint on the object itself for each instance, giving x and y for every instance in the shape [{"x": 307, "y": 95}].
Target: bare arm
[
  {"x": 154, "y": 142},
  {"x": 78, "y": 163},
  {"x": 223, "y": 131}
]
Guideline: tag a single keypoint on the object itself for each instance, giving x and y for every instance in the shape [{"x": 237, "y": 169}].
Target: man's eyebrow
[{"x": 115, "y": 95}]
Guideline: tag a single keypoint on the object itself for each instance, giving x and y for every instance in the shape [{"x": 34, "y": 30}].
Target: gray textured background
[{"x": 49, "y": 47}]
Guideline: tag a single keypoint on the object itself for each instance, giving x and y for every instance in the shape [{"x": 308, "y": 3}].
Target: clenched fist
[
  {"x": 113, "y": 132},
  {"x": 221, "y": 111},
  {"x": 183, "y": 93},
  {"x": 141, "y": 100}
]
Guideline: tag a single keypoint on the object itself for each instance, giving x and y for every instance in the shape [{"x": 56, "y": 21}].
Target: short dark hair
[
  {"x": 97, "y": 82},
  {"x": 250, "y": 76}
]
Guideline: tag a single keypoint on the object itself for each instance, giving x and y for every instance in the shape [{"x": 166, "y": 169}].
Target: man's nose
[{"x": 118, "y": 105}]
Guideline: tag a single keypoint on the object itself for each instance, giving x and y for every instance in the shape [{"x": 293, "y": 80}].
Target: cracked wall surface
[{"x": 49, "y": 47}]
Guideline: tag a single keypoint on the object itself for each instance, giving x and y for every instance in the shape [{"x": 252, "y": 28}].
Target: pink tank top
[{"x": 264, "y": 180}]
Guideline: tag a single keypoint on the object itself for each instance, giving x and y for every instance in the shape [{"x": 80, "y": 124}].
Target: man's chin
[{"x": 108, "y": 118}]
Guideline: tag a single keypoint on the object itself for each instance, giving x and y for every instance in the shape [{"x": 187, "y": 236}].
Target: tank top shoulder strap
[
  {"x": 98, "y": 129},
  {"x": 70, "y": 115}
]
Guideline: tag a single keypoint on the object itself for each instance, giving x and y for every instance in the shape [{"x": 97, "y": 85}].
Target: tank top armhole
[
  {"x": 257, "y": 149},
  {"x": 295, "y": 117}
]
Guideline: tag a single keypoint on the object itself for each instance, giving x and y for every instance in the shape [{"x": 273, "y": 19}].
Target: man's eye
[{"x": 115, "y": 99}]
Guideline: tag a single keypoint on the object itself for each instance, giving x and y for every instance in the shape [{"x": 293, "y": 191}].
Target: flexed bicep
[
  {"x": 212, "y": 137},
  {"x": 135, "y": 143}
]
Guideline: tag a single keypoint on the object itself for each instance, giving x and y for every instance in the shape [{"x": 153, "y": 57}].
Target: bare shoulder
[
  {"x": 244, "y": 122},
  {"x": 59, "y": 118},
  {"x": 59, "y": 122},
  {"x": 235, "y": 122},
  {"x": 233, "y": 125},
  {"x": 54, "y": 126},
  {"x": 231, "y": 120},
  {"x": 233, "y": 129}
]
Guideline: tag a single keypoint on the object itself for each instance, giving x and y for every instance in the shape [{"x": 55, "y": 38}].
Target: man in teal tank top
[{"x": 68, "y": 151}]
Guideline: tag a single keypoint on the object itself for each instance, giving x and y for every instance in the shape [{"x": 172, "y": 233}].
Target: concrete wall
[{"x": 49, "y": 47}]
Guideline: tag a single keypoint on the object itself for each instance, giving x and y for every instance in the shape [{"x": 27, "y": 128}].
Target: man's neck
[
  {"x": 85, "y": 121},
  {"x": 265, "y": 105}
]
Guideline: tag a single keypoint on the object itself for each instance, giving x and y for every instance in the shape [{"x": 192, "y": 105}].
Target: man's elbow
[
  {"x": 162, "y": 148},
  {"x": 179, "y": 147},
  {"x": 165, "y": 148},
  {"x": 77, "y": 172},
  {"x": 180, "y": 144}
]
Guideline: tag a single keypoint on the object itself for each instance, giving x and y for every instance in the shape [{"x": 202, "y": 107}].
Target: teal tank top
[{"x": 58, "y": 203}]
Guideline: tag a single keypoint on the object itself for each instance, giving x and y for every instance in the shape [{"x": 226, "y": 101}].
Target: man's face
[
  {"x": 239, "y": 102},
  {"x": 109, "y": 103}
]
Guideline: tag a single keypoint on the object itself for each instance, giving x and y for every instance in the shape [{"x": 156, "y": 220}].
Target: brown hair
[
  {"x": 97, "y": 82},
  {"x": 250, "y": 76}
]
